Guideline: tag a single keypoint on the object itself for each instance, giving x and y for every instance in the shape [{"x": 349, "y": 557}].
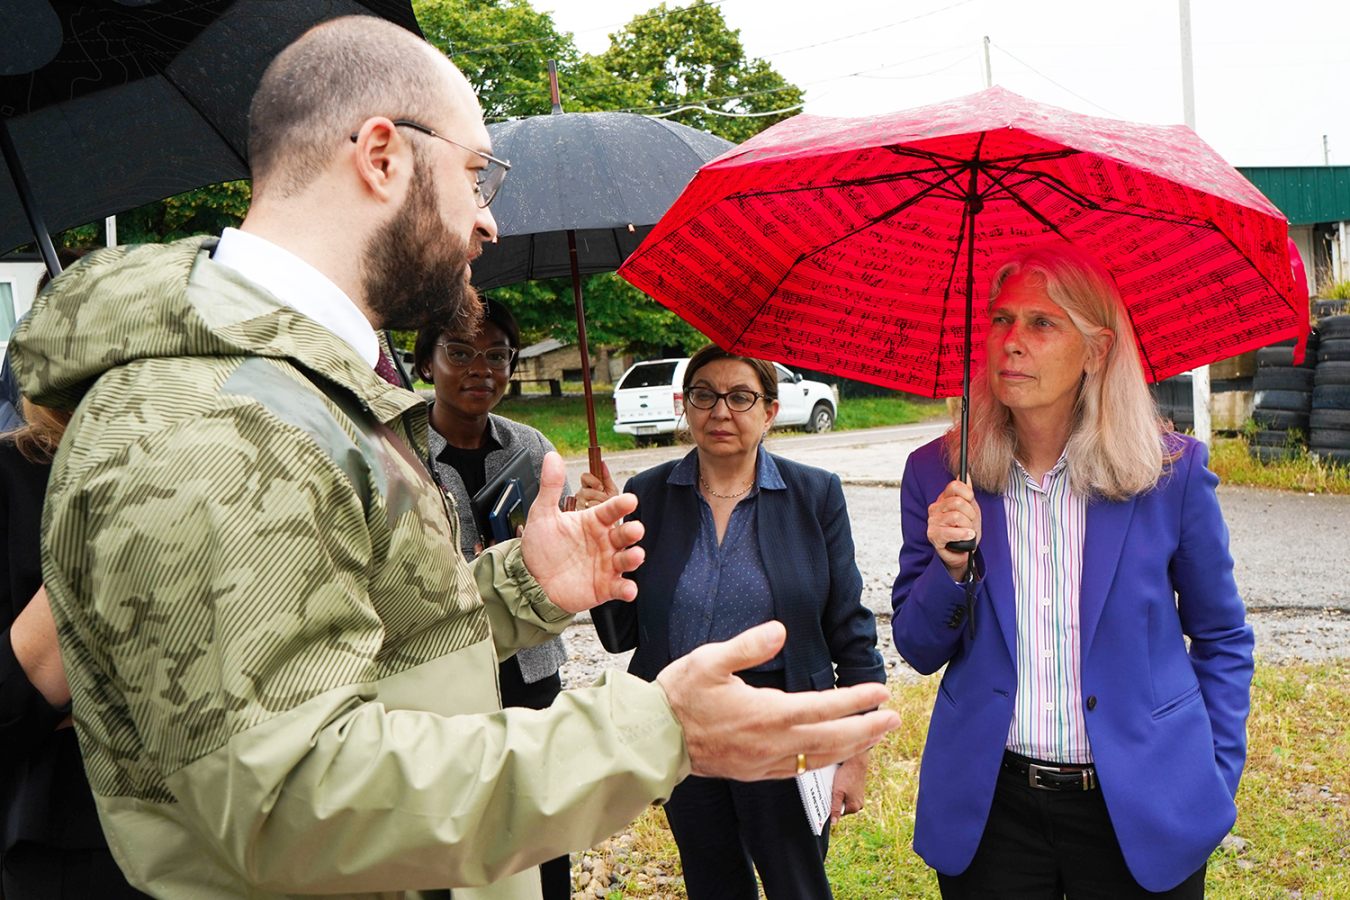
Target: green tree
[
  {"x": 666, "y": 57},
  {"x": 208, "y": 210},
  {"x": 617, "y": 315},
  {"x": 503, "y": 48},
  {"x": 689, "y": 57}
]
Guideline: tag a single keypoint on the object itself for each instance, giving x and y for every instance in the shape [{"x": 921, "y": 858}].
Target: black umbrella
[
  {"x": 137, "y": 101},
  {"x": 584, "y": 190}
]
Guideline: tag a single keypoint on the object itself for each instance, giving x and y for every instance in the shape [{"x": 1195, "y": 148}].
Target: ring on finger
[{"x": 801, "y": 763}]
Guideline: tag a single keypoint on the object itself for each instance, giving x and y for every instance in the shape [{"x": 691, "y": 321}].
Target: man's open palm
[{"x": 579, "y": 557}]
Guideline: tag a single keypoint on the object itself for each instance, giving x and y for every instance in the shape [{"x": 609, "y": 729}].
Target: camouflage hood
[{"x": 147, "y": 301}]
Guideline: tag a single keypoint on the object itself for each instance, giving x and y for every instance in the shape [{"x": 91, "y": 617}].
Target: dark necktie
[{"x": 384, "y": 367}]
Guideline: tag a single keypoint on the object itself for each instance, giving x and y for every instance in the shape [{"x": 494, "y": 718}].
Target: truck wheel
[{"x": 822, "y": 419}]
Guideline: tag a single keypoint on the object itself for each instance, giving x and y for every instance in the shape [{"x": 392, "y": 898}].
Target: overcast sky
[{"x": 1271, "y": 78}]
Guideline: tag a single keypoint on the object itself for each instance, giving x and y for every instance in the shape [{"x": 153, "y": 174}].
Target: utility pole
[
  {"x": 1326, "y": 152},
  {"x": 988, "y": 71},
  {"x": 1200, "y": 397}
]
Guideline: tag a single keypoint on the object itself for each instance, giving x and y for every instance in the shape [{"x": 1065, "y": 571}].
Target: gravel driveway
[{"x": 1291, "y": 551}]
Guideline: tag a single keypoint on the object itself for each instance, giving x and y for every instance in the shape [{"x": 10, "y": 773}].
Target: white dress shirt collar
[{"x": 300, "y": 286}]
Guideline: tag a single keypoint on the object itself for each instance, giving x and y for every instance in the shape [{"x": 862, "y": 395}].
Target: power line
[
  {"x": 868, "y": 31},
  {"x": 867, "y": 74},
  {"x": 721, "y": 112},
  {"x": 665, "y": 107},
  {"x": 1056, "y": 83},
  {"x": 789, "y": 87}
]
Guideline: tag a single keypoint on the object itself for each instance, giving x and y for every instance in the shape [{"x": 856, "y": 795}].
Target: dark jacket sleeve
[
  {"x": 26, "y": 718},
  {"x": 849, "y": 626},
  {"x": 924, "y": 598},
  {"x": 616, "y": 622}
]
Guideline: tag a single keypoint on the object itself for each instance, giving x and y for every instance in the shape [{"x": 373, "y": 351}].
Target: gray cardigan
[{"x": 535, "y": 662}]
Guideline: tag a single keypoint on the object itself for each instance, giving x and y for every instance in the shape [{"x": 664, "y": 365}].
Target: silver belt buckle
[{"x": 1033, "y": 769}]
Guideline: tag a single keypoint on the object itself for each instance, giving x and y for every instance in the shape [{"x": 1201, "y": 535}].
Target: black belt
[{"x": 1051, "y": 777}]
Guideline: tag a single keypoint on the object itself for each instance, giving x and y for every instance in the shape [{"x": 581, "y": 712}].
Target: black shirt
[{"x": 470, "y": 464}]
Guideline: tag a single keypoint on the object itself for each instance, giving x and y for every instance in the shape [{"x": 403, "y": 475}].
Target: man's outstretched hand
[
  {"x": 735, "y": 731},
  {"x": 579, "y": 557}
]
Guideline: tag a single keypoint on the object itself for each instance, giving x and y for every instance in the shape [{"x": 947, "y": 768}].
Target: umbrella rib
[
  {"x": 1045, "y": 178},
  {"x": 938, "y": 158},
  {"x": 852, "y": 182},
  {"x": 1032, "y": 211},
  {"x": 909, "y": 201},
  {"x": 938, "y": 167},
  {"x": 248, "y": 171}
]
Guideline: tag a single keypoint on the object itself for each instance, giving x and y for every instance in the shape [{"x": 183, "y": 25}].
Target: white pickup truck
[{"x": 649, "y": 401}]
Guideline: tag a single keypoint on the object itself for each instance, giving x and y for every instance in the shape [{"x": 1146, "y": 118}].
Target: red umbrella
[{"x": 856, "y": 246}]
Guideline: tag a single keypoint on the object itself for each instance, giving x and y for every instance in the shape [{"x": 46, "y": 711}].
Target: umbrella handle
[{"x": 966, "y": 546}]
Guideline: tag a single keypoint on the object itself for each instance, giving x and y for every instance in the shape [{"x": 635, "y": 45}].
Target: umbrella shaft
[
  {"x": 594, "y": 450},
  {"x": 25, "y": 192},
  {"x": 971, "y": 212}
]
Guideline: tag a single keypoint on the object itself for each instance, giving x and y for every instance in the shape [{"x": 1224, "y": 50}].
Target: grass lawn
[
  {"x": 1234, "y": 465},
  {"x": 1293, "y": 806},
  {"x": 563, "y": 420}
]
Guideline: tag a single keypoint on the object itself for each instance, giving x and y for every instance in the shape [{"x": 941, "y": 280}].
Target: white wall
[
  {"x": 1303, "y": 238},
  {"x": 23, "y": 280}
]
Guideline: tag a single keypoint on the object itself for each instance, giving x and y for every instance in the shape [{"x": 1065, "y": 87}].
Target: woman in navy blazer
[
  {"x": 792, "y": 548},
  {"x": 1164, "y": 727}
]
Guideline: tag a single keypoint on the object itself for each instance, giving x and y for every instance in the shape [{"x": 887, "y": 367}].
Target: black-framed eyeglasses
[
  {"x": 737, "y": 401},
  {"x": 463, "y": 355},
  {"x": 490, "y": 177}
]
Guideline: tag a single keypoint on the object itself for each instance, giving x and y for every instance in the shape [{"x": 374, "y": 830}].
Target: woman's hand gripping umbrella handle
[{"x": 954, "y": 531}]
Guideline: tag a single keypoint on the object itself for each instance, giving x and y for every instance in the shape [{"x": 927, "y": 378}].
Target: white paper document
[{"x": 817, "y": 789}]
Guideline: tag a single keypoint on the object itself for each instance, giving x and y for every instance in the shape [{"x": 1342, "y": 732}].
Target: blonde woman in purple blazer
[{"x": 1078, "y": 747}]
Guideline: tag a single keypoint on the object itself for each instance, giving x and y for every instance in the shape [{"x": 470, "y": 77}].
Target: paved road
[
  {"x": 873, "y": 456},
  {"x": 1291, "y": 550}
]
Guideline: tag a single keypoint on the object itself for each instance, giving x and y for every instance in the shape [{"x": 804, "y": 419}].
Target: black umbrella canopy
[
  {"x": 607, "y": 176},
  {"x": 143, "y": 99}
]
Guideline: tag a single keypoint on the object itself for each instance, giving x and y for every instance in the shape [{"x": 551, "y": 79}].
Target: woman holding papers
[
  {"x": 468, "y": 446},
  {"x": 1079, "y": 746},
  {"x": 735, "y": 537}
]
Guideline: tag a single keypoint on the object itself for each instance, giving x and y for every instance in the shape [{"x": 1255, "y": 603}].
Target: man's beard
[{"x": 416, "y": 269}]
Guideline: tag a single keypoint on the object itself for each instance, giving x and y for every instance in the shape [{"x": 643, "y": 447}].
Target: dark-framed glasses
[
  {"x": 463, "y": 355},
  {"x": 737, "y": 401},
  {"x": 489, "y": 178}
]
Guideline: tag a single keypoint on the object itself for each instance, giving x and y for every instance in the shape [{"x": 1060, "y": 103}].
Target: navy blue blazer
[
  {"x": 1167, "y": 727},
  {"x": 807, "y": 547}
]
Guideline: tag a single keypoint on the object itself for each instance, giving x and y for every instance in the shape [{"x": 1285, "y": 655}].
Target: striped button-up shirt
[{"x": 1046, "y": 524}]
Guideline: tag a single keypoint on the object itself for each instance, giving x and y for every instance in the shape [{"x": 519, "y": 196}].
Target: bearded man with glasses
[{"x": 283, "y": 672}]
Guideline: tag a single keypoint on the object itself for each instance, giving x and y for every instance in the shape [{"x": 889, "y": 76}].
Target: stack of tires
[
  {"x": 1284, "y": 394},
  {"x": 1329, "y": 422},
  {"x": 1173, "y": 396}
]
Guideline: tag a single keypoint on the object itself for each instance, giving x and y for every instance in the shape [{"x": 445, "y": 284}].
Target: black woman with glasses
[
  {"x": 736, "y": 537},
  {"x": 468, "y": 446}
]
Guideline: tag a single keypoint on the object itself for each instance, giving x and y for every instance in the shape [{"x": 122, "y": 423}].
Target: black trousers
[
  {"x": 39, "y": 872},
  {"x": 556, "y": 874},
  {"x": 1047, "y": 845},
  {"x": 728, "y": 829}
]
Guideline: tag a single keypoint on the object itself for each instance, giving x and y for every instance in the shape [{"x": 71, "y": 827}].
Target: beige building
[{"x": 554, "y": 360}]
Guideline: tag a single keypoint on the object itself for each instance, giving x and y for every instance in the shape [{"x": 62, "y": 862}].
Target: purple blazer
[{"x": 1167, "y": 727}]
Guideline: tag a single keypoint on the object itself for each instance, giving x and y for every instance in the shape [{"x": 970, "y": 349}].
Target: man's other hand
[
  {"x": 579, "y": 557},
  {"x": 735, "y": 731}
]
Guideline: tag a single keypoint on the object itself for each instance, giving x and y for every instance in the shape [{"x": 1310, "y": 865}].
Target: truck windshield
[{"x": 647, "y": 375}]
